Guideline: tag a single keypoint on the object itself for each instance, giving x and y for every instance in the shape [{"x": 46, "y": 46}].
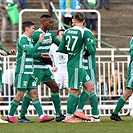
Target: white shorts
[{"x": 61, "y": 79}]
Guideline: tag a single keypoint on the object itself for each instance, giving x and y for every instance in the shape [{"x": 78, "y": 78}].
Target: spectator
[
  {"x": 69, "y": 5},
  {"x": 5, "y": 5},
  {"x": 43, "y": 4},
  {"x": 102, "y": 88},
  {"x": 116, "y": 84},
  {"x": 91, "y": 17},
  {"x": 22, "y": 4},
  {"x": 106, "y": 4}
]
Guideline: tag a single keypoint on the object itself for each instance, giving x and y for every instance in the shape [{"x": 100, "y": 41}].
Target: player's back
[{"x": 73, "y": 39}]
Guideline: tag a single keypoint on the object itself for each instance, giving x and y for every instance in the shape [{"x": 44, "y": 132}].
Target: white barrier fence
[{"x": 105, "y": 66}]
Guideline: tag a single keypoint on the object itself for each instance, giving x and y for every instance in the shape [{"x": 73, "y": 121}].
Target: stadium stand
[{"x": 116, "y": 23}]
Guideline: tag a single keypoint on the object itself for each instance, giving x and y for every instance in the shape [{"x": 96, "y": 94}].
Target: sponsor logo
[
  {"x": 62, "y": 57},
  {"x": 34, "y": 83},
  {"x": 25, "y": 83}
]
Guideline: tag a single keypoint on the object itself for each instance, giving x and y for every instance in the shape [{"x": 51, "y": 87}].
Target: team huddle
[{"x": 76, "y": 49}]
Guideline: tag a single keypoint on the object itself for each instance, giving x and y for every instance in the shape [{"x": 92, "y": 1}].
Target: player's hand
[
  {"x": 6, "y": 7},
  {"x": 54, "y": 69},
  {"x": 44, "y": 55},
  {"x": 41, "y": 37},
  {"x": 3, "y": 52},
  {"x": 12, "y": 51}
]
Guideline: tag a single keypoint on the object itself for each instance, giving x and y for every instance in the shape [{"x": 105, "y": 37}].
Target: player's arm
[
  {"x": 131, "y": 47},
  {"x": 131, "y": 53},
  {"x": 52, "y": 54},
  {"x": 6, "y": 51},
  {"x": 24, "y": 45},
  {"x": 55, "y": 40},
  {"x": 37, "y": 56},
  {"x": 62, "y": 47},
  {"x": 27, "y": 48},
  {"x": 35, "y": 38},
  {"x": 90, "y": 43}
]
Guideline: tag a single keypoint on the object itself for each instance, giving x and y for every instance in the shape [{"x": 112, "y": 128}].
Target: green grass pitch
[{"x": 105, "y": 126}]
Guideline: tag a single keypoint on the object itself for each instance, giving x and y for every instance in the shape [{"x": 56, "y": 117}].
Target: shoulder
[
  {"x": 54, "y": 46},
  {"x": 131, "y": 41},
  {"x": 88, "y": 30},
  {"x": 22, "y": 39},
  {"x": 74, "y": 30},
  {"x": 51, "y": 33},
  {"x": 37, "y": 32}
]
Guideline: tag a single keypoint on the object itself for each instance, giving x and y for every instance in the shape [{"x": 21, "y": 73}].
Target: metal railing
[{"x": 105, "y": 66}]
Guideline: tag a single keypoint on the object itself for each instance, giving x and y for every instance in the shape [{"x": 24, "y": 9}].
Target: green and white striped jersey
[
  {"x": 89, "y": 62},
  {"x": 73, "y": 42},
  {"x": 49, "y": 38},
  {"x": 25, "y": 51}
]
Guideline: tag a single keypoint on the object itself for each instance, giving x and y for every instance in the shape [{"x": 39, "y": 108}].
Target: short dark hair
[
  {"x": 45, "y": 16},
  {"x": 27, "y": 23},
  {"x": 59, "y": 31}
]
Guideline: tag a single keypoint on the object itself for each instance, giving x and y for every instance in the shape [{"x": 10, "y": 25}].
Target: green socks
[
  {"x": 25, "y": 104},
  {"x": 94, "y": 103},
  {"x": 83, "y": 98},
  {"x": 72, "y": 103},
  {"x": 57, "y": 104},
  {"x": 38, "y": 107},
  {"x": 26, "y": 101},
  {"x": 13, "y": 107},
  {"x": 120, "y": 104},
  {"x": 75, "y": 105}
]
